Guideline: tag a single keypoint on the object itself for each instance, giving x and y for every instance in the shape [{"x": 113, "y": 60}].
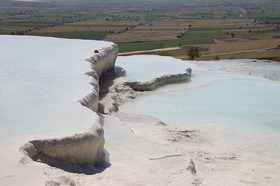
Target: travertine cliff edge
[
  {"x": 78, "y": 149},
  {"x": 101, "y": 62},
  {"x": 83, "y": 148}
]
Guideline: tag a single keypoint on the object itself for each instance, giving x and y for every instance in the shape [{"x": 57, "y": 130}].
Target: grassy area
[
  {"x": 130, "y": 47},
  {"x": 230, "y": 48}
]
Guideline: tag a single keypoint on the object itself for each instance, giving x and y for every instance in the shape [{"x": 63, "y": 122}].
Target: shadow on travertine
[{"x": 88, "y": 169}]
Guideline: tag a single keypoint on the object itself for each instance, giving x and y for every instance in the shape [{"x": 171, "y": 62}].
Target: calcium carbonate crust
[{"x": 159, "y": 81}]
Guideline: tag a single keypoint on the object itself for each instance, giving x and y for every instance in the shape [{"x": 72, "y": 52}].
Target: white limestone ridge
[
  {"x": 159, "y": 81},
  {"x": 86, "y": 147},
  {"x": 101, "y": 62}
]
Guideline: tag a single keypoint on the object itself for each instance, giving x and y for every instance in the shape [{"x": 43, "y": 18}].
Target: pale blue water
[
  {"x": 144, "y": 68},
  {"x": 238, "y": 103},
  {"x": 220, "y": 104}
]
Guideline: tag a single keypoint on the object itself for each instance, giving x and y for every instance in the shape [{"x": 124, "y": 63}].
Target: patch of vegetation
[
  {"x": 164, "y": 53},
  {"x": 216, "y": 58},
  {"x": 130, "y": 47},
  {"x": 142, "y": 46},
  {"x": 193, "y": 53}
]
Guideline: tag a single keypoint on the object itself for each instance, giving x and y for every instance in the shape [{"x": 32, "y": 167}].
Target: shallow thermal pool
[{"x": 227, "y": 106}]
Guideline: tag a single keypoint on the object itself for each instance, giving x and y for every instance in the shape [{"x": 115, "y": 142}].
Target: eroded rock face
[{"x": 84, "y": 148}]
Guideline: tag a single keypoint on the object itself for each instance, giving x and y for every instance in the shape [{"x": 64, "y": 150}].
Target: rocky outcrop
[{"x": 84, "y": 148}]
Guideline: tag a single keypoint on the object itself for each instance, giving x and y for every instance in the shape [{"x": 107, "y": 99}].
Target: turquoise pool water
[
  {"x": 223, "y": 105},
  {"x": 239, "y": 103}
]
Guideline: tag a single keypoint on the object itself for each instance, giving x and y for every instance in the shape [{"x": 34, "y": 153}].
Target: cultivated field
[{"x": 216, "y": 27}]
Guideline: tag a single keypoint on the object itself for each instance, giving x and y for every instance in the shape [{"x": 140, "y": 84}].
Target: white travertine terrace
[{"x": 87, "y": 147}]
